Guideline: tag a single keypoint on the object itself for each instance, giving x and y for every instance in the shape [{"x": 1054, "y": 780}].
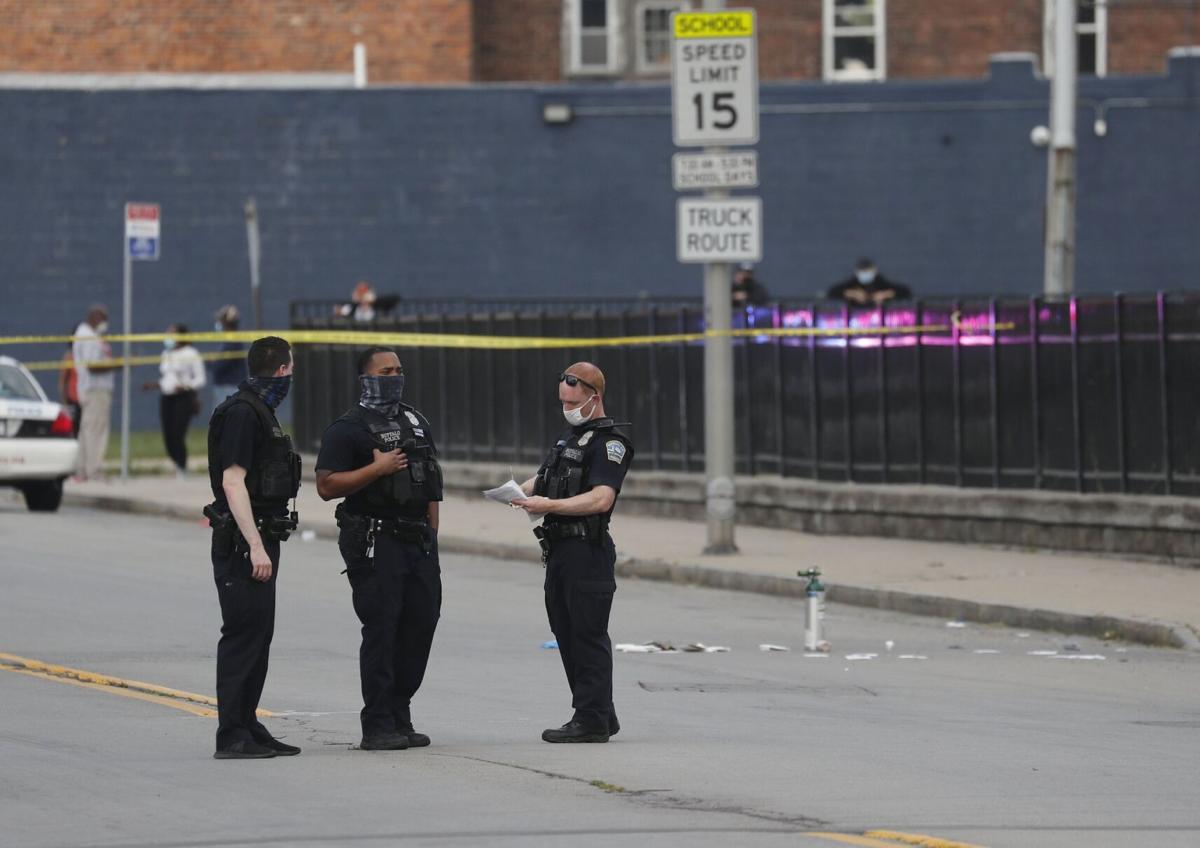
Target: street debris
[
  {"x": 766, "y": 647},
  {"x": 913, "y": 657},
  {"x": 853, "y": 657},
  {"x": 701, "y": 648},
  {"x": 958, "y": 625},
  {"x": 552, "y": 645}
]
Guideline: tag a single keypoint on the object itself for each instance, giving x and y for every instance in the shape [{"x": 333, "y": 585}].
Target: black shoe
[
  {"x": 384, "y": 742},
  {"x": 573, "y": 731},
  {"x": 244, "y": 751},
  {"x": 415, "y": 740},
  {"x": 281, "y": 749},
  {"x": 614, "y": 726}
]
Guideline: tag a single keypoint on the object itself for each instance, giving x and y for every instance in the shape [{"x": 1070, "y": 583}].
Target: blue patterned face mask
[
  {"x": 382, "y": 393},
  {"x": 272, "y": 390}
]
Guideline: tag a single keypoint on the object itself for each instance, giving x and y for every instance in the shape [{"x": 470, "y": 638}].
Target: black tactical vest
[
  {"x": 273, "y": 478},
  {"x": 416, "y": 486},
  {"x": 564, "y": 472}
]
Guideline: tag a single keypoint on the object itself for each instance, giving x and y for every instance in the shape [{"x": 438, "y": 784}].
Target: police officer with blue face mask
[
  {"x": 381, "y": 458},
  {"x": 254, "y": 473},
  {"x": 576, "y": 490}
]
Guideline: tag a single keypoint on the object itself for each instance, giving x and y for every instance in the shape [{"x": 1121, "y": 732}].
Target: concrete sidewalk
[{"x": 1141, "y": 602}]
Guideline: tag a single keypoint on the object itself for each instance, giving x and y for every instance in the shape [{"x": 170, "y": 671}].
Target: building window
[
  {"x": 1091, "y": 30},
  {"x": 654, "y": 35},
  {"x": 593, "y": 36},
  {"x": 1091, "y": 37},
  {"x": 855, "y": 40}
]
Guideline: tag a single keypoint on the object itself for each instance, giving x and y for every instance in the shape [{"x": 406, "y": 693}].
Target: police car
[{"x": 37, "y": 440}]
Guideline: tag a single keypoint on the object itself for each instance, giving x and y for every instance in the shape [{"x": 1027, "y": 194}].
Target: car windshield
[{"x": 14, "y": 385}]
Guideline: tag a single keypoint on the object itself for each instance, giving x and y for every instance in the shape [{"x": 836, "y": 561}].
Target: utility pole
[
  {"x": 719, "y": 490},
  {"x": 252, "y": 244},
  {"x": 1059, "y": 280}
]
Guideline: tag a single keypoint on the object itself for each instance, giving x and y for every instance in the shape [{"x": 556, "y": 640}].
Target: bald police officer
[
  {"x": 254, "y": 472},
  {"x": 576, "y": 490},
  {"x": 380, "y": 456}
]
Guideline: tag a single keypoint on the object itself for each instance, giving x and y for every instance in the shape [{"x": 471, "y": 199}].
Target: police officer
[
  {"x": 380, "y": 456},
  {"x": 576, "y": 489},
  {"x": 254, "y": 472}
]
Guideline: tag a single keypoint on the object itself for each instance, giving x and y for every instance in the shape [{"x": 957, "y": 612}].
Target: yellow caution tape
[
  {"x": 481, "y": 342},
  {"x": 51, "y": 365}
]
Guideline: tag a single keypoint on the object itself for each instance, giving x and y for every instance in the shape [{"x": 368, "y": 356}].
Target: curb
[{"x": 1154, "y": 633}]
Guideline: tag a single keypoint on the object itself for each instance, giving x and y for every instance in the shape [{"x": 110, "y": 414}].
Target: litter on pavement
[{"x": 766, "y": 647}]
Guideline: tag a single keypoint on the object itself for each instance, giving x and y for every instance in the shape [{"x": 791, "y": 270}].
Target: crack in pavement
[{"x": 652, "y": 798}]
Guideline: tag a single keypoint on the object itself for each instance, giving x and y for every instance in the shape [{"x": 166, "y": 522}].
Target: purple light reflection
[{"x": 974, "y": 328}]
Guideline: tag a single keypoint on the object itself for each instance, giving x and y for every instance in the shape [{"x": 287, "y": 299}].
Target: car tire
[{"x": 43, "y": 495}]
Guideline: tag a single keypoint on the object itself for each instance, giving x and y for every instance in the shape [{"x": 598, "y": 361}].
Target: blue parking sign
[{"x": 143, "y": 247}]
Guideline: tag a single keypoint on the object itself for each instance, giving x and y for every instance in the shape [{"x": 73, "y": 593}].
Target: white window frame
[
  {"x": 576, "y": 32},
  {"x": 641, "y": 64},
  {"x": 1099, "y": 29},
  {"x": 878, "y": 31}
]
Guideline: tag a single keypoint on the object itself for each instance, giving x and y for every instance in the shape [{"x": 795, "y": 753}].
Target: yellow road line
[
  {"x": 919, "y": 839},
  {"x": 187, "y": 707},
  {"x": 852, "y": 839},
  {"x": 152, "y": 692}
]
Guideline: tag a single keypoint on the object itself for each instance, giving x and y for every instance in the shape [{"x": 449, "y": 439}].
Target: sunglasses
[{"x": 573, "y": 381}]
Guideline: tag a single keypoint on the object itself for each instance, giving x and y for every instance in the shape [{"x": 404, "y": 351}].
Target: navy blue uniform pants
[
  {"x": 398, "y": 599},
  {"x": 580, "y": 582},
  {"x": 247, "y": 626}
]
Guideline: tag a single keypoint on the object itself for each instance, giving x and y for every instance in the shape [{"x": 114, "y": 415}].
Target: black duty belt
[
  {"x": 562, "y": 530},
  {"x": 413, "y": 531}
]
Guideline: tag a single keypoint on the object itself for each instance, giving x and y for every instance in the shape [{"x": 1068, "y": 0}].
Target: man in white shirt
[
  {"x": 181, "y": 376},
  {"x": 94, "y": 368}
]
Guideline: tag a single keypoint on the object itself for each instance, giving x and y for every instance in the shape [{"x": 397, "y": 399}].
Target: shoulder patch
[
  {"x": 615, "y": 450},
  {"x": 416, "y": 422}
]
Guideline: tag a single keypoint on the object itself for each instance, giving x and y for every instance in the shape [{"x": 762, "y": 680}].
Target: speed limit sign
[{"x": 714, "y": 77}]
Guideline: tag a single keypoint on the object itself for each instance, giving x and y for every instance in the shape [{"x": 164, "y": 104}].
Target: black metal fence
[{"x": 1091, "y": 395}]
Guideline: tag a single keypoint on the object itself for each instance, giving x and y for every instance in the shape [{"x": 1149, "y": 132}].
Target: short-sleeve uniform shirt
[
  {"x": 241, "y": 440},
  {"x": 347, "y": 446}
]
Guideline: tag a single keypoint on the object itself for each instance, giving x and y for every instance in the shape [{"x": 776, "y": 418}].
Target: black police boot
[
  {"x": 574, "y": 731},
  {"x": 244, "y": 750},
  {"x": 281, "y": 749},
  {"x": 384, "y": 742},
  {"x": 614, "y": 726},
  {"x": 415, "y": 740}
]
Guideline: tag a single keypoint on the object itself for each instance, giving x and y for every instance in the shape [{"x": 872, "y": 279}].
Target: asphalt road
[{"x": 982, "y": 736}]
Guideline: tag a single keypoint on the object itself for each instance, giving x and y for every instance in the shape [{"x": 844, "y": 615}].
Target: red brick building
[{"x": 461, "y": 41}]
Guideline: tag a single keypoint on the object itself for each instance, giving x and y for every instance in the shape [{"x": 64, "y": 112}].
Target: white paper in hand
[{"x": 507, "y": 493}]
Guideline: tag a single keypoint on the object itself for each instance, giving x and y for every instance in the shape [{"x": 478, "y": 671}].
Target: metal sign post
[
  {"x": 142, "y": 241},
  {"x": 714, "y": 102}
]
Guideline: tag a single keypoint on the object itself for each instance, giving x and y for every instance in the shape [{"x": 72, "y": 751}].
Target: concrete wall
[{"x": 465, "y": 191}]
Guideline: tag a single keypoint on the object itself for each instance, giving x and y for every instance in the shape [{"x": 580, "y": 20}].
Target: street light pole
[{"x": 1059, "y": 280}]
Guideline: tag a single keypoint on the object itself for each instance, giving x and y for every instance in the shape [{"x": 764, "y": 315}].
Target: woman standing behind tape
[{"x": 181, "y": 376}]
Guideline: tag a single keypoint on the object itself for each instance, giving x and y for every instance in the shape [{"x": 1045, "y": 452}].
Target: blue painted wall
[{"x": 465, "y": 191}]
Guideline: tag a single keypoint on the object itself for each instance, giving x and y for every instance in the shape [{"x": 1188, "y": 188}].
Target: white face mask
[
  {"x": 575, "y": 417},
  {"x": 217, "y": 327},
  {"x": 169, "y": 344},
  {"x": 865, "y": 277},
  {"x": 102, "y": 327}
]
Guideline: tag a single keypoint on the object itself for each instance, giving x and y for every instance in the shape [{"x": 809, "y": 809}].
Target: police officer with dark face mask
[
  {"x": 576, "y": 489},
  {"x": 254, "y": 473},
  {"x": 380, "y": 456}
]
